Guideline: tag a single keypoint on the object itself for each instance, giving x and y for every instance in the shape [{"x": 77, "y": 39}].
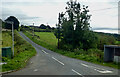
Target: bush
[
  {"x": 79, "y": 51},
  {"x": 97, "y": 53},
  {"x": 4, "y": 59}
]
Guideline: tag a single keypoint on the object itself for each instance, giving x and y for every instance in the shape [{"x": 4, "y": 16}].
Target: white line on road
[
  {"x": 58, "y": 61},
  {"x": 77, "y": 73},
  {"x": 106, "y": 71},
  {"x": 44, "y": 52},
  {"x": 35, "y": 70},
  {"x": 97, "y": 69}
]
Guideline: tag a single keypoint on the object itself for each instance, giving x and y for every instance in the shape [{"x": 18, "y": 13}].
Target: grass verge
[{"x": 23, "y": 52}]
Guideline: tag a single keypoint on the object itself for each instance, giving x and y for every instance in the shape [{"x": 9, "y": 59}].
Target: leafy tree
[
  {"x": 73, "y": 27},
  {"x": 48, "y": 27},
  {"x": 42, "y": 26},
  {"x": 14, "y": 20}
]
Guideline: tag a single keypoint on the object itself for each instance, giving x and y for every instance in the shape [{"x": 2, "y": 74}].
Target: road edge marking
[
  {"x": 58, "y": 61},
  {"x": 77, "y": 72},
  {"x": 97, "y": 69},
  {"x": 35, "y": 70},
  {"x": 106, "y": 71},
  {"x": 44, "y": 52}
]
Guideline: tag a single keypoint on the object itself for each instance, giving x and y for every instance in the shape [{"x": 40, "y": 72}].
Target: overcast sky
[{"x": 104, "y": 12}]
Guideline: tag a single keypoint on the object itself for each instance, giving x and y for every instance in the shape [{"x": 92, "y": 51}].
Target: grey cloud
[{"x": 17, "y": 13}]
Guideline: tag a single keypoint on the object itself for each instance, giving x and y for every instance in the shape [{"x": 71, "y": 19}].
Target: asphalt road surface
[{"x": 47, "y": 62}]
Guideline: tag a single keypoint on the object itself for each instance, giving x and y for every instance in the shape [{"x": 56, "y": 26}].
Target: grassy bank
[
  {"x": 49, "y": 41},
  {"x": 23, "y": 51}
]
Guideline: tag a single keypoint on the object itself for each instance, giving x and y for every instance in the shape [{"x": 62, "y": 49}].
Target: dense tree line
[{"x": 41, "y": 28}]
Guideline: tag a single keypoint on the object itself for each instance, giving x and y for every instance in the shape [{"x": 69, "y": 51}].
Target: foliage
[
  {"x": 42, "y": 26},
  {"x": 105, "y": 40},
  {"x": 116, "y": 36},
  {"x": 73, "y": 27},
  {"x": 14, "y": 20},
  {"x": 37, "y": 29}
]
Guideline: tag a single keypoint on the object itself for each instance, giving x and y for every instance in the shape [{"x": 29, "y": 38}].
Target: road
[{"x": 47, "y": 62}]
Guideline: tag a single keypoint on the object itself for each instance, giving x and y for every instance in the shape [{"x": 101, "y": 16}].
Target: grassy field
[
  {"x": 117, "y": 42},
  {"x": 49, "y": 41},
  {"x": 47, "y": 38},
  {"x": 23, "y": 52}
]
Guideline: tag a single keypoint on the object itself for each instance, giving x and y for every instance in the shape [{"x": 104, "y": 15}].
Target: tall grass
[
  {"x": 23, "y": 52},
  {"x": 6, "y": 39}
]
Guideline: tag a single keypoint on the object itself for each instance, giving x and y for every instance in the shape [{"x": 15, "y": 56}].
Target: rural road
[{"x": 47, "y": 62}]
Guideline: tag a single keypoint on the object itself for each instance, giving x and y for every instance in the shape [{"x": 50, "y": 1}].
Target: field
[
  {"x": 117, "y": 42},
  {"x": 49, "y": 41},
  {"x": 47, "y": 38},
  {"x": 23, "y": 51}
]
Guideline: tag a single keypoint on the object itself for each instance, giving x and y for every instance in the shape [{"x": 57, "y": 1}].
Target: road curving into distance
[{"x": 47, "y": 62}]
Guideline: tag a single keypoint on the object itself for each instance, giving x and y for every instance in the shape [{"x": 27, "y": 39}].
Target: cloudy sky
[{"x": 104, "y": 12}]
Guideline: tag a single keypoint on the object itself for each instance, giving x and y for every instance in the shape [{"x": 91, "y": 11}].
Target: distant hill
[{"x": 116, "y": 36}]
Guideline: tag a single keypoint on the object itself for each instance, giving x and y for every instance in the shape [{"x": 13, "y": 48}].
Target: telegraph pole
[
  {"x": 13, "y": 37},
  {"x": 12, "y": 23},
  {"x": 33, "y": 29}
]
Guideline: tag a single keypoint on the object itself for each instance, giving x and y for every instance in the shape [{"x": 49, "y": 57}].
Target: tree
[
  {"x": 14, "y": 20},
  {"x": 42, "y": 26},
  {"x": 73, "y": 26},
  {"x": 48, "y": 27}
]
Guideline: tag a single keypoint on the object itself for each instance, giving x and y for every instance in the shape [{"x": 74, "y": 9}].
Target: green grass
[
  {"x": 117, "y": 42},
  {"x": 49, "y": 41},
  {"x": 23, "y": 52},
  {"x": 47, "y": 38}
]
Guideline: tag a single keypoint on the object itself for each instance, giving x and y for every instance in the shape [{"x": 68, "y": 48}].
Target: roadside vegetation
[
  {"x": 90, "y": 55},
  {"x": 73, "y": 36},
  {"x": 23, "y": 52}
]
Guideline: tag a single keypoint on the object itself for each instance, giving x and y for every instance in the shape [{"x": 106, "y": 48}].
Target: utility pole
[
  {"x": 33, "y": 29},
  {"x": 13, "y": 37},
  {"x": 12, "y": 23}
]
